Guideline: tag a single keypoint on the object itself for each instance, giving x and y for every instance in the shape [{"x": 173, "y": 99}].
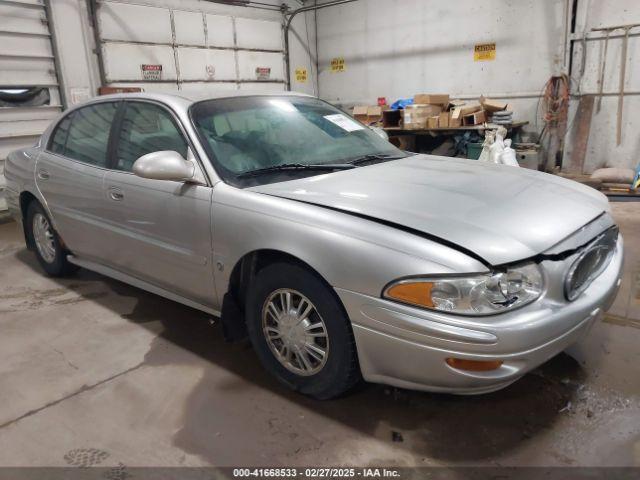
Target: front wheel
[
  {"x": 49, "y": 251},
  {"x": 300, "y": 331}
]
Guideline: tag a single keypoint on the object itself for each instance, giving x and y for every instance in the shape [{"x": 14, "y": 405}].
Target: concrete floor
[{"x": 95, "y": 371}]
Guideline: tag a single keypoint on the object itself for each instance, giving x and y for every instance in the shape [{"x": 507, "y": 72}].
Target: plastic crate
[{"x": 474, "y": 150}]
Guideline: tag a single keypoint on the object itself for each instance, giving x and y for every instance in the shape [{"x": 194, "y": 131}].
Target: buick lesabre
[{"x": 339, "y": 255}]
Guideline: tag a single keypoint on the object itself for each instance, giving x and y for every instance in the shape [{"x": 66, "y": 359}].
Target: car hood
[{"x": 500, "y": 213}]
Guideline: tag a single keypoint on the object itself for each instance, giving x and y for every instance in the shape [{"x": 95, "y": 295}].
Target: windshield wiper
[
  {"x": 376, "y": 157},
  {"x": 296, "y": 167}
]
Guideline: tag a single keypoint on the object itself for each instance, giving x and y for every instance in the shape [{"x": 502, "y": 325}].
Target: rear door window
[{"x": 84, "y": 135}]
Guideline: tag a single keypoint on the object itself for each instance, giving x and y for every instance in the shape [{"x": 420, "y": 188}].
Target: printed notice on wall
[
  {"x": 151, "y": 72},
  {"x": 301, "y": 75},
  {"x": 80, "y": 95},
  {"x": 484, "y": 52},
  {"x": 263, "y": 73},
  {"x": 344, "y": 122},
  {"x": 338, "y": 65}
]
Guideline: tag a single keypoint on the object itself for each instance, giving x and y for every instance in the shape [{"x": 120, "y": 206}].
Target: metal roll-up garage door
[
  {"x": 163, "y": 48},
  {"x": 29, "y": 94}
]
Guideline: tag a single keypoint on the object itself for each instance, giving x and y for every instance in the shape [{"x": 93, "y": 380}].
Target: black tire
[
  {"x": 59, "y": 266},
  {"x": 341, "y": 371}
]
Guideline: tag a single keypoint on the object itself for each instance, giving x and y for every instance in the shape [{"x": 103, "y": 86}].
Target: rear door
[
  {"x": 162, "y": 228},
  {"x": 70, "y": 174}
]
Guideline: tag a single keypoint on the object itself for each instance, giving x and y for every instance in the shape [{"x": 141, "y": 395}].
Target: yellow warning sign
[
  {"x": 484, "y": 52},
  {"x": 301, "y": 75},
  {"x": 338, "y": 65}
]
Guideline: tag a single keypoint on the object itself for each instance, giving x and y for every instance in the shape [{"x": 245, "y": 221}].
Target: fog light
[{"x": 474, "y": 365}]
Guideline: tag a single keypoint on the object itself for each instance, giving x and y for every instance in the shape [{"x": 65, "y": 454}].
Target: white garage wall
[
  {"x": 602, "y": 150},
  {"x": 395, "y": 48},
  {"x": 302, "y": 47}
]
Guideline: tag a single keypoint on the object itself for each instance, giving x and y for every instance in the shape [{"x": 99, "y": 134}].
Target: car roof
[{"x": 184, "y": 98}]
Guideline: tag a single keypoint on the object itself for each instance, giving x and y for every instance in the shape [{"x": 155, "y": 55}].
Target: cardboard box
[
  {"x": 425, "y": 109},
  {"x": 489, "y": 105},
  {"x": 475, "y": 118},
  {"x": 415, "y": 116},
  {"x": 453, "y": 103},
  {"x": 455, "y": 117},
  {"x": 469, "y": 108},
  {"x": 411, "y": 120},
  {"x": 360, "y": 113},
  {"x": 368, "y": 114},
  {"x": 391, "y": 118},
  {"x": 374, "y": 114},
  {"x": 443, "y": 121},
  {"x": 431, "y": 99},
  {"x": 432, "y": 122}
]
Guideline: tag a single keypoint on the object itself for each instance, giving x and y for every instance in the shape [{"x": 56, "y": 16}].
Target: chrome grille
[{"x": 591, "y": 262}]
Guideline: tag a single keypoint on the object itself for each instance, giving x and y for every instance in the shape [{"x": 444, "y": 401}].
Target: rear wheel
[
  {"x": 300, "y": 331},
  {"x": 49, "y": 251}
]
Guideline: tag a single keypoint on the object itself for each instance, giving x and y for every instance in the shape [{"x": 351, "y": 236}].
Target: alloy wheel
[
  {"x": 295, "y": 332},
  {"x": 43, "y": 237}
]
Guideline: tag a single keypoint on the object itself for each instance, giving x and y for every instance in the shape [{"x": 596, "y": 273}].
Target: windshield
[{"x": 244, "y": 134}]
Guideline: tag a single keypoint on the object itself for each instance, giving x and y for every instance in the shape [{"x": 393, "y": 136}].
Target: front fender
[{"x": 349, "y": 252}]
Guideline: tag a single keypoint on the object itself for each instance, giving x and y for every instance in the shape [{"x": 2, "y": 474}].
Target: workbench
[
  {"x": 394, "y": 131},
  {"x": 427, "y": 139}
]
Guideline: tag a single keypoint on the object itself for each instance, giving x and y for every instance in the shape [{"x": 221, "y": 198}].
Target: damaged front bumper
[{"x": 407, "y": 347}]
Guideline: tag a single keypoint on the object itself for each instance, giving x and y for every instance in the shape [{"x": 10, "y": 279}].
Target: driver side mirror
[{"x": 164, "y": 165}]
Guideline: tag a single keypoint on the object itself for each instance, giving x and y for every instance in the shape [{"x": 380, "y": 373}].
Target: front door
[{"x": 162, "y": 228}]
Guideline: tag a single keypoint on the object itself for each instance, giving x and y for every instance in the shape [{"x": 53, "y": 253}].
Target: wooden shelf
[{"x": 473, "y": 128}]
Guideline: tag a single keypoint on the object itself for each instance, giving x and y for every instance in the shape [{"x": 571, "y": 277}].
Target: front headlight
[{"x": 480, "y": 294}]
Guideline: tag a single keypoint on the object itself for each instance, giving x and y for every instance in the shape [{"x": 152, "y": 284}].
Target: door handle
[
  {"x": 43, "y": 175},
  {"x": 116, "y": 194}
]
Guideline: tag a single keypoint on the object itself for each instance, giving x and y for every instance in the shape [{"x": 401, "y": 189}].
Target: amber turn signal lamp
[
  {"x": 418, "y": 293},
  {"x": 474, "y": 365}
]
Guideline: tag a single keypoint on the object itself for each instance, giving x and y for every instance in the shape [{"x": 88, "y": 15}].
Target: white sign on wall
[
  {"x": 151, "y": 72},
  {"x": 263, "y": 73}
]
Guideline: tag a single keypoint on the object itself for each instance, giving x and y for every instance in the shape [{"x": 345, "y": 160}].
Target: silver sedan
[{"x": 341, "y": 257}]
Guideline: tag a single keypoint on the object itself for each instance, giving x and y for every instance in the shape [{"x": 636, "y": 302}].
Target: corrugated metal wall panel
[
  {"x": 23, "y": 128},
  {"x": 26, "y": 60},
  {"x": 10, "y": 114},
  {"x": 39, "y": 72},
  {"x": 20, "y": 19},
  {"x": 17, "y": 45}
]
